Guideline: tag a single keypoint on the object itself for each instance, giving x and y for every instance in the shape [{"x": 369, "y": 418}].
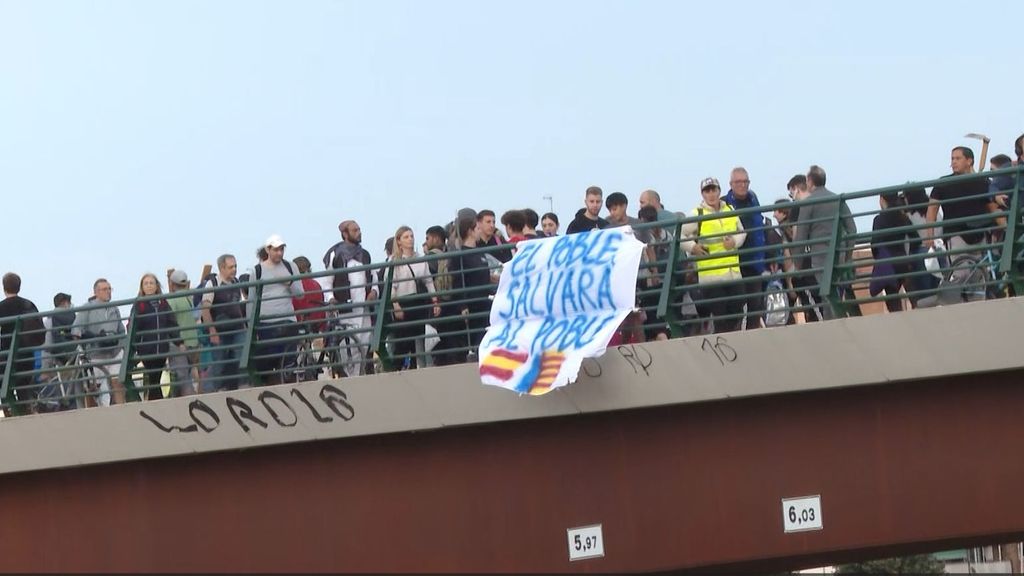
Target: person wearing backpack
[
  {"x": 354, "y": 293},
  {"x": 276, "y": 315},
  {"x": 184, "y": 367},
  {"x": 31, "y": 335},
  {"x": 224, "y": 320},
  {"x": 155, "y": 332},
  {"x": 435, "y": 244},
  {"x": 60, "y": 346}
]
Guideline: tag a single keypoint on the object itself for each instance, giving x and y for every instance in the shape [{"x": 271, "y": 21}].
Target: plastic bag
[
  {"x": 776, "y": 304},
  {"x": 936, "y": 260}
]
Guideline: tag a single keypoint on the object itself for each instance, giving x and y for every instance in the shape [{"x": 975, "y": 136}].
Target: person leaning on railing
[
  {"x": 354, "y": 293},
  {"x": 714, "y": 243},
  {"x": 920, "y": 281},
  {"x": 814, "y": 224},
  {"x": 59, "y": 347},
  {"x": 961, "y": 200},
  {"x": 470, "y": 307},
  {"x": 31, "y": 334},
  {"x": 184, "y": 368},
  {"x": 98, "y": 325},
  {"x": 413, "y": 298},
  {"x": 275, "y": 348},
  {"x": 224, "y": 318},
  {"x": 155, "y": 330},
  {"x": 652, "y": 269},
  {"x": 752, "y": 262},
  {"x": 889, "y": 277}
]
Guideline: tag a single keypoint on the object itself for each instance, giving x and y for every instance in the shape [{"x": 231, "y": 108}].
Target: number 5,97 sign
[
  {"x": 585, "y": 542},
  {"x": 801, "y": 514}
]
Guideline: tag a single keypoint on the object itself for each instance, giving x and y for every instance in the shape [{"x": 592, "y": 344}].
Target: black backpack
[
  {"x": 33, "y": 331},
  {"x": 287, "y": 265},
  {"x": 209, "y": 280}
]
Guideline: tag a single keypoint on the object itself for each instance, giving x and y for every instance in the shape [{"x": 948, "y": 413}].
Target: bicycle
[
  {"x": 976, "y": 274},
  {"x": 343, "y": 352},
  {"x": 78, "y": 382},
  {"x": 307, "y": 365}
]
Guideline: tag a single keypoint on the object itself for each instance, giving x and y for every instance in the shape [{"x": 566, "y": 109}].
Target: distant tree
[{"x": 920, "y": 564}]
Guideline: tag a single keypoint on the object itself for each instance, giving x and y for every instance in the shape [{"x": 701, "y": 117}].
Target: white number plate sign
[
  {"x": 585, "y": 542},
  {"x": 801, "y": 514}
]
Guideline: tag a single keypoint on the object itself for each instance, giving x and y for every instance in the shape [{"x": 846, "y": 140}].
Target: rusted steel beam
[{"x": 898, "y": 467}]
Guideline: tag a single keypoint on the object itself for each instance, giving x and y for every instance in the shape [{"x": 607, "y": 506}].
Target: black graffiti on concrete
[
  {"x": 724, "y": 353},
  {"x": 266, "y": 395},
  {"x": 241, "y": 412},
  {"x": 592, "y": 368},
  {"x": 638, "y": 357},
  {"x": 322, "y": 419},
  {"x": 204, "y": 417}
]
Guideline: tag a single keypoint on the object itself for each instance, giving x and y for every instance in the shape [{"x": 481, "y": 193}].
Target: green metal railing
[{"x": 675, "y": 298}]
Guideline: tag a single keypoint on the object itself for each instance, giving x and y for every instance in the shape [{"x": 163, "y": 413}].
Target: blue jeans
[
  {"x": 224, "y": 371},
  {"x": 273, "y": 359}
]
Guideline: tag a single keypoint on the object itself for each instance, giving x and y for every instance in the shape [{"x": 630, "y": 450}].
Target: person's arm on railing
[
  {"x": 930, "y": 217},
  {"x": 993, "y": 207},
  {"x": 207, "y": 317}
]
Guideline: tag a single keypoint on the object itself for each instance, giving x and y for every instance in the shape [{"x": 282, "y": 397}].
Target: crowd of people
[{"x": 438, "y": 293}]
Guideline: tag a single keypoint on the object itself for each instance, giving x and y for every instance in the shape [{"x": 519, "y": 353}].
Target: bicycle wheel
[{"x": 306, "y": 367}]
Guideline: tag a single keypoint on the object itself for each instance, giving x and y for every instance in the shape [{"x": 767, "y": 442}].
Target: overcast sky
[{"x": 137, "y": 136}]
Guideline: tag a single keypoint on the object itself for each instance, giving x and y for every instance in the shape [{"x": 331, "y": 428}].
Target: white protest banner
[{"x": 559, "y": 301}]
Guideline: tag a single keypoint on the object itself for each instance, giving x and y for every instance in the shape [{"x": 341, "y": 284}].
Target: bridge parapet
[{"x": 966, "y": 339}]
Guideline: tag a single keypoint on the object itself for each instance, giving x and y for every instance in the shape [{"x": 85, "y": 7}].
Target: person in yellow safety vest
[{"x": 713, "y": 242}]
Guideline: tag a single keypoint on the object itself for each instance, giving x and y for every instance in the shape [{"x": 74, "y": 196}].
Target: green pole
[
  {"x": 1011, "y": 244},
  {"x": 7, "y": 391},
  {"x": 383, "y": 304},
  {"x": 668, "y": 283}
]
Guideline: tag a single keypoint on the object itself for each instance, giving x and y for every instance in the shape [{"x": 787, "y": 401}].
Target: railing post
[
  {"x": 829, "y": 293},
  {"x": 252, "y": 318},
  {"x": 7, "y": 390},
  {"x": 668, "y": 282},
  {"x": 1011, "y": 245},
  {"x": 383, "y": 304},
  {"x": 131, "y": 393}
]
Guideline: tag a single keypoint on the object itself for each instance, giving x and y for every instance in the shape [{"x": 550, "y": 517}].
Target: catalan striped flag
[
  {"x": 500, "y": 364},
  {"x": 550, "y": 364}
]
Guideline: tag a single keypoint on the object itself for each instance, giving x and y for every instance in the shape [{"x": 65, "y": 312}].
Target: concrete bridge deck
[{"x": 907, "y": 426}]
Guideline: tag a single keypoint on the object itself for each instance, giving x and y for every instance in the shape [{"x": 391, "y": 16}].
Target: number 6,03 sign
[{"x": 801, "y": 514}]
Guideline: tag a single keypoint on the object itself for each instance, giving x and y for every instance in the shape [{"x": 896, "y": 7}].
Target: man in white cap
[{"x": 276, "y": 320}]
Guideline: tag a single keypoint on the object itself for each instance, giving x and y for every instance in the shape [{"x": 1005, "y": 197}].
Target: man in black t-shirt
[
  {"x": 587, "y": 218},
  {"x": 470, "y": 306},
  {"x": 961, "y": 200},
  {"x": 32, "y": 334}
]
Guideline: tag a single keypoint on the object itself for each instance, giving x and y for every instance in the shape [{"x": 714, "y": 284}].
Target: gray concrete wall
[{"x": 918, "y": 345}]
